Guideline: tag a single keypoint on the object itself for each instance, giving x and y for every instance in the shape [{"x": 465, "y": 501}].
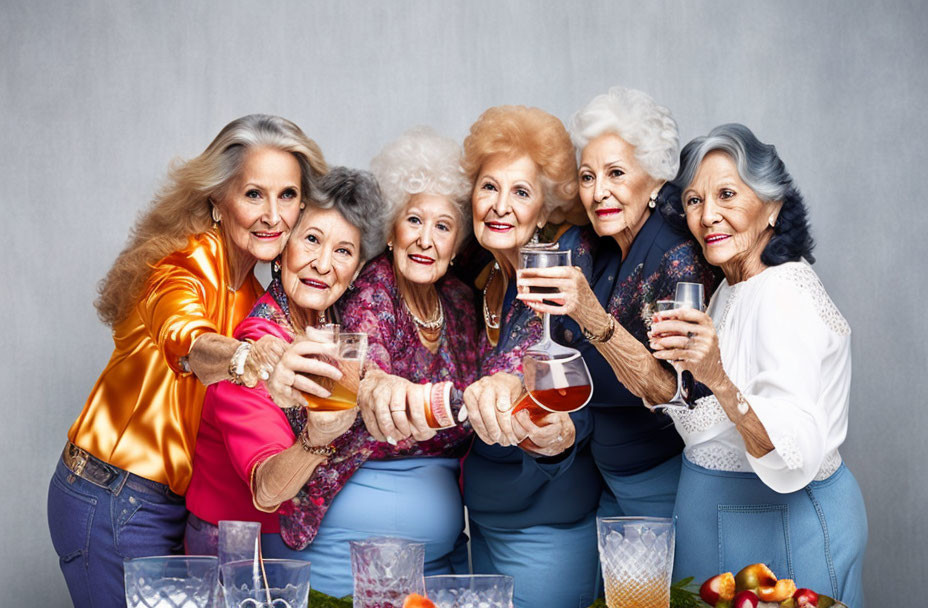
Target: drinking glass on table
[
  {"x": 469, "y": 591},
  {"x": 239, "y": 541},
  {"x": 386, "y": 570},
  {"x": 636, "y": 554},
  {"x": 687, "y": 295},
  {"x": 171, "y": 581},
  {"x": 266, "y": 583}
]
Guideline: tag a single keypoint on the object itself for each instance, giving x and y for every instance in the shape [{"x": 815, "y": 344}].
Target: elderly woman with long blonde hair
[{"x": 172, "y": 299}]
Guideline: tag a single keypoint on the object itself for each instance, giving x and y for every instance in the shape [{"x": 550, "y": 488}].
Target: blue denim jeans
[{"x": 94, "y": 528}]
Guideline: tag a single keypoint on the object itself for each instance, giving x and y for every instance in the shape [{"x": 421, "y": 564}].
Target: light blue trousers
[
  {"x": 815, "y": 536},
  {"x": 553, "y": 566},
  {"x": 414, "y": 498},
  {"x": 650, "y": 493}
]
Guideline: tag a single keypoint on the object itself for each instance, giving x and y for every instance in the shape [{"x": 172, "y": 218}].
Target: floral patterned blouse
[{"x": 375, "y": 307}]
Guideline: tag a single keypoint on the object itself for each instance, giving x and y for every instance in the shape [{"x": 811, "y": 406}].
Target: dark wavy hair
[{"x": 760, "y": 167}]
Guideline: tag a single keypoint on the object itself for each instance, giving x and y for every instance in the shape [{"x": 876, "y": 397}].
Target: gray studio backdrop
[{"x": 97, "y": 98}]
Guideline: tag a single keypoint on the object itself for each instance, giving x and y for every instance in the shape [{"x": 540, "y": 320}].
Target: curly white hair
[
  {"x": 635, "y": 117},
  {"x": 422, "y": 161}
]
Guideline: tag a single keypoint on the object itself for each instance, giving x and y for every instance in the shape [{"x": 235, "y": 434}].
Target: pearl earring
[
  {"x": 652, "y": 202},
  {"x": 216, "y": 217}
]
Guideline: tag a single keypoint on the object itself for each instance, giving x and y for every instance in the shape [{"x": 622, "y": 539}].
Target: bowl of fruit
[{"x": 756, "y": 586}]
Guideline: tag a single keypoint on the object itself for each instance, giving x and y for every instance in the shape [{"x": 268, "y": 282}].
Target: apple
[
  {"x": 414, "y": 600},
  {"x": 754, "y": 576},
  {"x": 745, "y": 599},
  {"x": 779, "y": 591},
  {"x": 806, "y": 598},
  {"x": 719, "y": 587}
]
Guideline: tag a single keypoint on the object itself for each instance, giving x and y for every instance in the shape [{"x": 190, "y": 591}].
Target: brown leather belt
[{"x": 87, "y": 466}]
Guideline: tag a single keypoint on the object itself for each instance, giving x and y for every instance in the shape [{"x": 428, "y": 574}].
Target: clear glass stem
[{"x": 678, "y": 395}]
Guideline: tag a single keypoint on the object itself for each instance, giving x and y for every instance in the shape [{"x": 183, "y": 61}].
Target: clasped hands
[
  {"x": 393, "y": 409},
  {"x": 489, "y": 402}
]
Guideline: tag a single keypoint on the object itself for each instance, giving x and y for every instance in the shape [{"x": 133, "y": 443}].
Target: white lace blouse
[{"x": 786, "y": 346}]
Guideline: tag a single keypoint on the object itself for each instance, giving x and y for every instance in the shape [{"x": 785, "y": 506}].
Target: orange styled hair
[{"x": 523, "y": 131}]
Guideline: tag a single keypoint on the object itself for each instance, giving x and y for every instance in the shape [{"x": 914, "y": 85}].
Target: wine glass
[
  {"x": 687, "y": 295},
  {"x": 545, "y": 255},
  {"x": 556, "y": 377}
]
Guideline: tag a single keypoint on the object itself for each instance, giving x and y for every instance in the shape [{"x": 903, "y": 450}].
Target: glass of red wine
[{"x": 556, "y": 377}]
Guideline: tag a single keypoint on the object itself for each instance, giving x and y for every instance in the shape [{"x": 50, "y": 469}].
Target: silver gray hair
[
  {"x": 635, "y": 117},
  {"x": 422, "y": 161},
  {"x": 356, "y": 196},
  {"x": 761, "y": 168}
]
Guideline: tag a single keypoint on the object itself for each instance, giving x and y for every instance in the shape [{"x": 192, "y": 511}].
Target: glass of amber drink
[
  {"x": 351, "y": 352},
  {"x": 556, "y": 377},
  {"x": 636, "y": 554}
]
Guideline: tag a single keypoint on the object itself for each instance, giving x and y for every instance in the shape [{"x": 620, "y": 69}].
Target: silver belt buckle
[
  {"x": 79, "y": 465},
  {"x": 78, "y": 460}
]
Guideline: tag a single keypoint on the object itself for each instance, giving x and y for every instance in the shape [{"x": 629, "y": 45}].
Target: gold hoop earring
[{"x": 215, "y": 214}]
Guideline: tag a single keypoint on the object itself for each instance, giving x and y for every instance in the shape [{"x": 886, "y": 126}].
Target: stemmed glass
[
  {"x": 687, "y": 295},
  {"x": 555, "y": 376}
]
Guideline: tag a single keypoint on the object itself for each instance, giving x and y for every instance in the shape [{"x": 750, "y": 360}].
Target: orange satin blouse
[{"x": 144, "y": 411}]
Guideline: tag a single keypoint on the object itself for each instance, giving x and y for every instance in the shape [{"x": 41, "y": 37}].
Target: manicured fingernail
[
  {"x": 391, "y": 440},
  {"x": 462, "y": 415}
]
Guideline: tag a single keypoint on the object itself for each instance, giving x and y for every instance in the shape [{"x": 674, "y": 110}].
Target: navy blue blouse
[
  {"x": 504, "y": 487},
  {"x": 625, "y": 437}
]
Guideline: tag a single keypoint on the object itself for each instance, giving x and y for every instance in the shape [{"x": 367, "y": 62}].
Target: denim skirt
[{"x": 816, "y": 536}]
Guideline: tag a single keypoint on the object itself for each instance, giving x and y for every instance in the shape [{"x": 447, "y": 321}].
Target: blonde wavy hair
[
  {"x": 183, "y": 206},
  {"x": 517, "y": 131}
]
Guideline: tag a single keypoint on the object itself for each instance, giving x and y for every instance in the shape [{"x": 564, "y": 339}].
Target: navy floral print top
[
  {"x": 503, "y": 486},
  {"x": 625, "y": 437},
  {"x": 375, "y": 306}
]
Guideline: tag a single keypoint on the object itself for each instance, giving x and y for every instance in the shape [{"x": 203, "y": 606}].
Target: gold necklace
[
  {"x": 427, "y": 325},
  {"x": 491, "y": 319}
]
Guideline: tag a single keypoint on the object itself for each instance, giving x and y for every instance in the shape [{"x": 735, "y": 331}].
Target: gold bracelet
[
  {"x": 326, "y": 451},
  {"x": 603, "y": 337}
]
